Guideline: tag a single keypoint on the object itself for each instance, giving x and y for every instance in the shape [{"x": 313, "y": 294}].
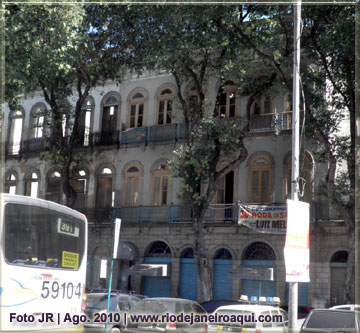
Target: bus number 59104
[{"x": 64, "y": 290}]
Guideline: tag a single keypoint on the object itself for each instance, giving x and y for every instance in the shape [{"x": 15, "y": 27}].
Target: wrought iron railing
[
  {"x": 33, "y": 145},
  {"x": 133, "y": 135},
  {"x": 174, "y": 213},
  {"x": 271, "y": 122},
  {"x": 105, "y": 138},
  {"x": 219, "y": 213},
  {"x": 162, "y": 133}
]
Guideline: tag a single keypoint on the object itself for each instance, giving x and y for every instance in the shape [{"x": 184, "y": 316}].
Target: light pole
[{"x": 293, "y": 286}]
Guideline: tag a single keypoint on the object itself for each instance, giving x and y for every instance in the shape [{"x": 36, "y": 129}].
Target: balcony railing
[
  {"x": 97, "y": 215},
  {"x": 174, "y": 213},
  {"x": 33, "y": 145},
  {"x": 140, "y": 135},
  {"x": 25, "y": 147},
  {"x": 220, "y": 213},
  {"x": 271, "y": 122},
  {"x": 133, "y": 135},
  {"x": 105, "y": 138},
  {"x": 162, "y": 133}
]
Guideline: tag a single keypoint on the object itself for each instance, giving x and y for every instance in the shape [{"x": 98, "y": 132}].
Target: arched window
[
  {"x": 260, "y": 179},
  {"x": 85, "y": 121},
  {"x": 53, "y": 187},
  {"x": 165, "y": 106},
  {"x": 158, "y": 253},
  {"x": 132, "y": 187},
  {"x": 137, "y": 106},
  {"x": 161, "y": 185},
  {"x": 258, "y": 251},
  {"x": 109, "y": 119},
  {"x": 32, "y": 185},
  {"x": 188, "y": 253},
  {"x": 158, "y": 249},
  {"x": 226, "y": 100},
  {"x": 15, "y": 131},
  {"x": 10, "y": 182},
  {"x": 305, "y": 172},
  {"x": 258, "y": 254},
  {"x": 223, "y": 254},
  {"x": 37, "y": 121},
  {"x": 79, "y": 183},
  {"x": 104, "y": 194}
]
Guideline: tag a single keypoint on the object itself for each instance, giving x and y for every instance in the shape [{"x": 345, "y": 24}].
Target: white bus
[{"x": 43, "y": 251}]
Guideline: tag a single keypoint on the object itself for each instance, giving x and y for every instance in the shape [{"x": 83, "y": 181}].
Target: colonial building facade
[{"x": 129, "y": 134}]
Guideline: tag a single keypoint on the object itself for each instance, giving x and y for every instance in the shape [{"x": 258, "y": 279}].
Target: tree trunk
[
  {"x": 201, "y": 259},
  {"x": 68, "y": 190},
  {"x": 349, "y": 288}
]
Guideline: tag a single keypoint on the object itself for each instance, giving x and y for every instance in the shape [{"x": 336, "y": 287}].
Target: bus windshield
[{"x": 42, "y": 237}]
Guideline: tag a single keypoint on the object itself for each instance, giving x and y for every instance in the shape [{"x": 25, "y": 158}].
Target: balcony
[
  {"x": 174, "y": 213},
  {"x": 162, "y": 133},
  {"x": 133, "y": 135},
  {"x": 97, "y": 215},
  {"x": 105, "y": 138},
  {"x": 33, "y": 145},
  {"x": 271, "y": 122}
]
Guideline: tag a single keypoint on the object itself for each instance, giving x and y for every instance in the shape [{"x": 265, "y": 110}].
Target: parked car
[
  {"x": 331, "y": 320},
  {"x": 163, "y": 306},
  {"x": 303, "y": 310},
  {"x": 352, "y": 307},
  {"x": 211, "y": 306},
  {"x": 253, "y": 316},
  {"x": 96, "y": 305}
]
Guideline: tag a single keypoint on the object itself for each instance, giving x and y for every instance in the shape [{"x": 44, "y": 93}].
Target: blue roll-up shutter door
[
  {"x": 302, "y": 293},
  {"x": 258, "y": 288},
  {"x": 222, "y": 284},
  {"x": 156, "y": 286},
  {"x": 188, "y": 279}
]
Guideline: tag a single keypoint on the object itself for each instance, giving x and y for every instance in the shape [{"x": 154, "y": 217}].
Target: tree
[
  {"x": 328, "y": 81},
  {"x": 64, "y": 50},
  {"x": 187, "y": 44}
]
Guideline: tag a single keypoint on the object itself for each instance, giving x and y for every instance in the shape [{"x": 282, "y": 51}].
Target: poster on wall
[
  {"x": 270, "y": 219},
  {"x": 296, "y": 251}
]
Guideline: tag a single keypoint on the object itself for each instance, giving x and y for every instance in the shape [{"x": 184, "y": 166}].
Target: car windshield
[
  {"x": 99, "y": 302},
  {"x": 235, "y": 318},
  {"x": 331, "y": 319}
]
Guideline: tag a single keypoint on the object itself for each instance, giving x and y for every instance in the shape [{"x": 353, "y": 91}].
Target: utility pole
[{"x": 293, "y": 286}]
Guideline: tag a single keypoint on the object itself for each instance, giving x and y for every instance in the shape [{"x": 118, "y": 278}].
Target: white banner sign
[
  {"x": 103, "y": 269},
  {"x": 296, "y": 251},
  {"x": 116, "y": 237},
  {"x": 266, "y": 219}
]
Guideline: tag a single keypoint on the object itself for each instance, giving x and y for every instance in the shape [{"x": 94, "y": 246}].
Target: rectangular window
[
  {"x": 156, "y": 191},
  {"x": 79, "y": 186},
  {"x": 140, "y": 115},
  {"x": 265, "y": 186},
  {"x": 161, "y": 112},
  {"x": 267, "y": 106},
  {"x": 169, "y": 111},
  {"x": 254, "y": 186},
  {"x": 132, "y": 116},
  {"x": 164, "y": 190},
  {"x": 87, "y": 127},
  {"x": 38, "y": 127}
]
